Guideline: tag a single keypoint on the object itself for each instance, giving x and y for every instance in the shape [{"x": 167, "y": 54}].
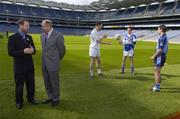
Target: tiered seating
[
  {"x": 1, "y": 8},
  {"x": 152, "y": 10},
  {"x": 49, "y": 12},
  {"x": 139, "y": 11},
  {"x": 59, "y": 14},
  {"x": 24, "y": 10},
  {"x": 166, "y": 8},
  {"x": 38, "y": 12},
  {"x": 177, "y": 11},
  {"x": 128, "y": 13},
  {"x": 10, "y": 9},
  {"x": 118, "y": 14}
]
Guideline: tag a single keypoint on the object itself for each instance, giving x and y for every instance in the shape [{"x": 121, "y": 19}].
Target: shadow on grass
[
  {"x": 138, "y": 76},
  {"x": 170, "y": 90},
  {"x": 128, "y": 76},
  {"x": 98, "y": 100},
  {"x": 163, "y": 75}
]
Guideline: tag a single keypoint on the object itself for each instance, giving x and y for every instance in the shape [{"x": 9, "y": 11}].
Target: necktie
[{"x": 46, "y": 37}]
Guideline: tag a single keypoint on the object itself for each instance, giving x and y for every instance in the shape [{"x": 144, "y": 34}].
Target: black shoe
[
  {"x": 46, "y": 101},
  {"x": 19, "y": 105},
  {"x": 122, "y": 72},
  {"x": 54, "y": 103},
  {"x": 33, "y": 102}
]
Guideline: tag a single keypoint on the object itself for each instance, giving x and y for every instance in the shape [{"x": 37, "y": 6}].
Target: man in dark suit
[
  {"x": 53, "y": 50},
  {"x": 21, "y": 48}
]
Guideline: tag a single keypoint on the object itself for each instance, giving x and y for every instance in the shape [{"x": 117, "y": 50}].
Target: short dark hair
[
  {"x": 98, "y": 23},
  {"x": 163, "y": 28},
  {"x": 130, "y": 27},
  {"x": 21, "y": 22}
]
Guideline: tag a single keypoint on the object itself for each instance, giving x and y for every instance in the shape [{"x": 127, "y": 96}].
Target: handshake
[{"x": 29, "y": 50}]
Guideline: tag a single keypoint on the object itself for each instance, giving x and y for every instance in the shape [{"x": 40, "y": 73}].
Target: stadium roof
[{"x": 97, "y": 5}]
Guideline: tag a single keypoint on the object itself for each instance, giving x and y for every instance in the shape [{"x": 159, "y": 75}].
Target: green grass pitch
[{"x": 112, "y": 96}]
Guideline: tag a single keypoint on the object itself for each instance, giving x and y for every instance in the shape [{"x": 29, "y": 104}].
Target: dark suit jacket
[{"x": 16, "y": 46}]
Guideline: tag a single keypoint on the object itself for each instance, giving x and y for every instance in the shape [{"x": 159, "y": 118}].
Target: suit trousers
[
  {"x": 20, "y": 79},
  {"x": 52, "y": 84}
]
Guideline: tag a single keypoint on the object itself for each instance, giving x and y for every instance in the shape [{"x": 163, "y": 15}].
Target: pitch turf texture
[{"x": 112, "y": 96}]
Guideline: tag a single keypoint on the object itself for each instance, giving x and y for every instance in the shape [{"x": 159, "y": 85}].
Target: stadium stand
[
  {"x": 149, "y": 10},
  {"x": 79, "y": 20}
]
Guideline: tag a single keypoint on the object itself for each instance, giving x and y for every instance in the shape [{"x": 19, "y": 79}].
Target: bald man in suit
[{"x": 53, "y": 50}]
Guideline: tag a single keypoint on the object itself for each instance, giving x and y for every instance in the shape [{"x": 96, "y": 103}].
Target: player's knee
[
  {"x": 93, "y": 60},
  {"x": 157, "y": 71},
  {"x": 124, "y": 58},
  {"x": 98, "y": 60}
]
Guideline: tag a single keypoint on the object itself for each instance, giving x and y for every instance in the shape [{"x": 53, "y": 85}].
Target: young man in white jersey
[
  {"x": 94, "y": 49},
  {"x": 129, "y": 42}
]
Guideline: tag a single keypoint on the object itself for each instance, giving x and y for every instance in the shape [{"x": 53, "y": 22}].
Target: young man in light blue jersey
[
  {"x": 159, "y": 56},
  {"x": 129, "y": 42}
]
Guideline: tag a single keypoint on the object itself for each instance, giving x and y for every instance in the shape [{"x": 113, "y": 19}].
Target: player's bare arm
[
  {"x": 159, "y": 52},
  {"x": 101, "y": 41}
]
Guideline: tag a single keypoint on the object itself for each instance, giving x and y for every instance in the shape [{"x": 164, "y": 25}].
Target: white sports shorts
[
  {"x": 129, "y": 53},
  {"x": 94, "y": 52}
]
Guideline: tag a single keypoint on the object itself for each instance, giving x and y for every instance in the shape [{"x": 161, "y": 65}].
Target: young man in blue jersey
[
  {"x": 159, "y": 56},
  {"x": 129, "y": 42}
]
